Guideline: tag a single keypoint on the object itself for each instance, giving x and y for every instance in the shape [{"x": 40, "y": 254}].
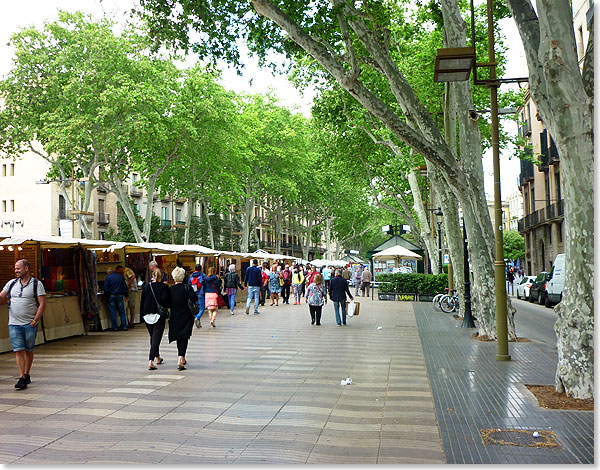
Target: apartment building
[
  {"x": 515, "y": 210},
  {"x": 30, "y": 203},
  {"x": 540, "y": 184}
]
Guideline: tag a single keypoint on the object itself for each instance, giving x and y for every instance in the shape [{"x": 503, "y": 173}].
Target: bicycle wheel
[
  {"x": 447, "y": 304},
  {"x": 436, "y": 301}
]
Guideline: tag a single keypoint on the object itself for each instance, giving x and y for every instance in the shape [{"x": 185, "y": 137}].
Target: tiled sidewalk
[
  {"x": 473, "y": 391},
  {"x": 258, "y": 389}
]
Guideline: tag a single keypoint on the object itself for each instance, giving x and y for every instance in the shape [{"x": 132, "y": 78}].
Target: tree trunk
[
  {"x": 247, "y": 218},
  {"x": 211, "y": 235},
  {"x": 188, "y": 221},
  {"x": 564, "y": 98},
  {"x": 424, "y": 228},
  {"x": 123, "y": 198},
  {"x": 150, "y": 190},
  {"x": 470, "y": 195}
]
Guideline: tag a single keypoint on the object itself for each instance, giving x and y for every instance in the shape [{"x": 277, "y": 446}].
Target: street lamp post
[
  {"x": 467, "y": 315},
  {"x": 451, "y": 65},
  {"x": 439, "y": 213}
]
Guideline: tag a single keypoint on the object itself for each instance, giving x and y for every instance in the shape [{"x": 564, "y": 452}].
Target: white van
[{"x": 556, "y": 284}]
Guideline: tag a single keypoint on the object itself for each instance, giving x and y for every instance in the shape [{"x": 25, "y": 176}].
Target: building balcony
[
  {"x": 101, "y": 189},
  {"x": 165, "y": 223},
  {"x": 135, "y": 191},
  {"x": 546, "y": 215},
  {"x": 103, "y": 218},
  {"x": 180, "y": 200}
]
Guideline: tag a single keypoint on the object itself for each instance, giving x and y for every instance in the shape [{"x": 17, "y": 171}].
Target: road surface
[{"x": 534, "y": 321}]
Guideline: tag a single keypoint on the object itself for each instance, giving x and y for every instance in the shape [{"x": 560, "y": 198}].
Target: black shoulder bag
[
  {"x": 192, "y": 305},
  {"x": 162, "y": 311}
]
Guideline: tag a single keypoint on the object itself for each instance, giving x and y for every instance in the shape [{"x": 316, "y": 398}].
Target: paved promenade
[{"x": 258, "y": 389}]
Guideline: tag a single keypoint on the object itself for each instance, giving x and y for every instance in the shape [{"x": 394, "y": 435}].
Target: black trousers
[
  {"x": 315, "y": 313},
  {"x": 156, "y": 333},
  {"x": 182, "y": 345},
  {"x": 263, "y": 294},
  {"x": 285, "y": 292}
]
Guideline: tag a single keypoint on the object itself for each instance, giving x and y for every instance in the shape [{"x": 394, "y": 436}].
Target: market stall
[{"x": 67, "y": 269}]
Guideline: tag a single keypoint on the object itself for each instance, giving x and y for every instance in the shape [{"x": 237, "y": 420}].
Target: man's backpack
[
  {"x": 196, "y": 284},
  {"x": 35, "y": 290}
]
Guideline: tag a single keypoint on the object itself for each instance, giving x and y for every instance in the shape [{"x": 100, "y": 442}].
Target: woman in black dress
[
  {"x": 181, "y": 320},
  {"x": 155, "y": 291}
]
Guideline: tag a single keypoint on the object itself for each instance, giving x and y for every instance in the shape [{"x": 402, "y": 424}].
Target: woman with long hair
[
  {"x": 315, "y": 298},
  {"x": 212, "y": 288},
  {"x": 155, "y": 293},
  {"x": 181, "y": 320}
]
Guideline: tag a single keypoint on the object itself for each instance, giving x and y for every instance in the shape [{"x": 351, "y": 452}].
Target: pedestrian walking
[
  {"x": 510, "y": 279},
  {"x": 264, "y": 288},
  {"x": 152, "y": 265},
  {"x": 181, "y": 319},
  {"x": 311, "y": 275},
  {"x": 115, "y": 290},
  {"x": 26, "y": 304},
  {"x": 131, "y": 282},
  {"x": 196, "y": 281},
  {"x": 212, "y": 290},
  {"x": 297, "y": 282},
  {"x": 326, "y": 277},
  {"x": 304, "y": 271},
  {"x": 286, "y": 275},
  {"x": 253, "y": 280},
  {"x": 346, "y": 274},
  {"x": 155, "y": 294},
  {"x": 232, "y": 283},
  {"x": 315, "y": 298},
  {"x": 337, "y": 292},
  {"x": 275, "y": 284},
  {"x": 365, "y": 280},
  {"x": 356, "y": 280}
]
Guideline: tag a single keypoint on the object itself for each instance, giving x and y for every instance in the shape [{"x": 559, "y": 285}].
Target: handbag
[
  {"x": 162, "y": 311},
  {"x": 281, "y": 282},
  {"x": 192, "y": 305}
]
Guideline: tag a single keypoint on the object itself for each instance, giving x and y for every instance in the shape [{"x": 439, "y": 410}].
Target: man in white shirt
[{"x": 26, "y": 304}]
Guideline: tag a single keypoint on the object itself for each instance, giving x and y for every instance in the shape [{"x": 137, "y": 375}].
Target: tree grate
[{"x": 518, "y": 437}]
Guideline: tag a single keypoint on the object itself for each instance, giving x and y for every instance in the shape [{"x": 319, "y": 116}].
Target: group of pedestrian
[
  {"x": 181, "y": 304},
  {"x": 513, "y": 273}
]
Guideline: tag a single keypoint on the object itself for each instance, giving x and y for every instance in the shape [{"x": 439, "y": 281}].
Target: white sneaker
[{"x": 232, "y": 312}]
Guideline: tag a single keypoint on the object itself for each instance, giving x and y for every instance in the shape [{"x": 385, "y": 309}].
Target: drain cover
[{"x": 518, "y": 437}]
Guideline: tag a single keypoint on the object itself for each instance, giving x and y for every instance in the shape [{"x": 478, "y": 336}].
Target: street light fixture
[{"x": 451, "y": 65}]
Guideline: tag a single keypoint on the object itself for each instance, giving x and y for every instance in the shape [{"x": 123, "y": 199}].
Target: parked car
[
  {"x": 556, "y": 283},
  {"x": 523, "y": 287},
  {"x": 537, "y": 291}
]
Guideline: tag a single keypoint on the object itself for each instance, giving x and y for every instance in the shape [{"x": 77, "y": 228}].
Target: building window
[
  {"x": 547, "y": 184},
  {"x": 178, "y": 215},
  {"x": 12, "y": 205},
  {"x": 526, "y": 200},
  {"x": 559, "y": 230},
  {"x": 101, "y": 235},
  {"x": 557, "y": 183},
  {"x": 164, "y": 213},
  {"x": 532, "y": 199},
  {"x": 12, "y": 169},
  {"x": 137, "y": 209},
  {"x": 62, "y": 211},
  {"x": 101, "y": 206},
  {"x": 3, "y": 206},
  {"x": 4, "y": 169}
]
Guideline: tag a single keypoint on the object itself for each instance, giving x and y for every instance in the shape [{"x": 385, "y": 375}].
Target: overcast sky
[{"x": 34, "y": 12}]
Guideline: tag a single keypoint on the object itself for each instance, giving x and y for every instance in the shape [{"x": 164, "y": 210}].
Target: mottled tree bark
[{"x": 564, "y": 99}]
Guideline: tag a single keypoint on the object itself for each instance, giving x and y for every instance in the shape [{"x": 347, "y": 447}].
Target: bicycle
[
  {"x": 449, "y": 303},
  {"x": 438, "y": 298}
]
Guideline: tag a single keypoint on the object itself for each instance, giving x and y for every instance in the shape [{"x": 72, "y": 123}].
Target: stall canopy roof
[
  {"x": 261, "y": 254},
  {"x": 51, "y": 241},
  {"x": 396, "y": 252},
  {"x": 163, "y": 248},
  {"x": 325, "y": 262}
]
